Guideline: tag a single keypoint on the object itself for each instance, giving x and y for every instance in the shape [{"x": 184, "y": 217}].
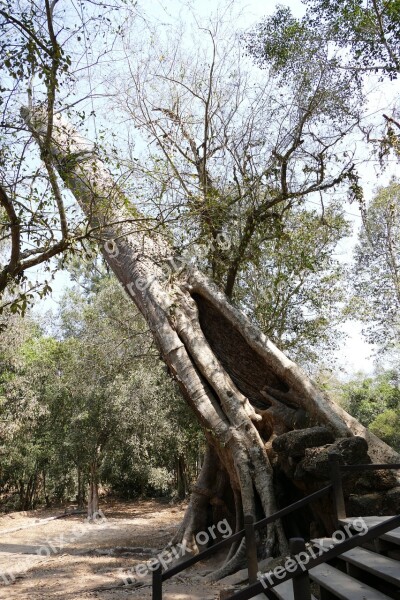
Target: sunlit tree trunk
[{"x": 226, "y": 368}]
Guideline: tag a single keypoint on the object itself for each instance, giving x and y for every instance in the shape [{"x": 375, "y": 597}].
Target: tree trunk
[
  {"x": 182, "y": 484},
  {"x": 45, "y": 494},
  {"x": 80, "y": 496},
  {"x": 93, "y": 493},
  {"x": 242, "y": 389},
  {"x": 21, "y": 493}
]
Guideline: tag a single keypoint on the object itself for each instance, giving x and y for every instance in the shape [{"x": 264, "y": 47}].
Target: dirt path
[{"x": 69, "y": 559}]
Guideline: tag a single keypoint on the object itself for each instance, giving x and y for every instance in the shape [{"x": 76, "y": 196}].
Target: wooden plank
[
  {"x": 343, "y": 586},
  {"x": 370, "y": 521},
  {"x": 381, "y": 566},
  {"x": 284, "y": 591},
  {"x": 323, "y": 543},
  {"x": 391, "y": 536}
]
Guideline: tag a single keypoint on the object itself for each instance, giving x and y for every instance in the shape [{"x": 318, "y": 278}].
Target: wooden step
[
  {"x": 284, "y": 591},
  {"x": 391, "y": 536},
  {"x": 343, "y": 586},
  {"x": 378, "y": 565},
  {"x": 326, "y": 543}
]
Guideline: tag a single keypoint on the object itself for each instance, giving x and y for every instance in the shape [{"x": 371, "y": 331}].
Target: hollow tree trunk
[{"x": 226, "y": 368}]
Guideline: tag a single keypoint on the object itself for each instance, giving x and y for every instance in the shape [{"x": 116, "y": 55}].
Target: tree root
[{"x": 238, "y": 561}]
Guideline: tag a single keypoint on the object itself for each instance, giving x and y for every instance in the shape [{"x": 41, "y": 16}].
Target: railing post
[
  {"x": 251, "y": 548},
  {"x": 338, "y": 496},
  {"x": 301, "y": 583},
  {"x": 157, "y": 583}
]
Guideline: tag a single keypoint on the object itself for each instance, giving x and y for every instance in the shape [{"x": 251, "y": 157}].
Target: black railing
[
  {"x": 248, "y": 532},
  {"x": 299, "y": 576},
  {"x": 337, "y": 480},
  {"x": 301, "y": 571}
]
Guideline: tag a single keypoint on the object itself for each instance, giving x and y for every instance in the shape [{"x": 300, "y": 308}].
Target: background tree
[
  {"x": 127, "y": 419},
  {"x": 296, "y": 287},
  {"x": 28, "y": 465},
  {"x": 39, "y": 43},
  {"x": 375, "y": 402},
  {"x": 367, "y": 397},
  {"x": 370, "y": 29},
  {"x": 387, "y": 427},
  {"x": 93, "y": 407},
  {"x": 377, "y": 268},
  {"x": 360, "y": 38}
]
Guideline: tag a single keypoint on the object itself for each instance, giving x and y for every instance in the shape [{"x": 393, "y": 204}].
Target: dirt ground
[{"x": 42, "y": 558}]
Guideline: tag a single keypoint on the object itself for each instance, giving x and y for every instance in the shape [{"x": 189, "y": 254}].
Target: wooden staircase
[
  {"x": 362, "y": 565},
  {"x": 362, "y": 573}
]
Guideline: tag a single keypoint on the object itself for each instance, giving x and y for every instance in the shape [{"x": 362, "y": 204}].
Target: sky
[
  {"x": 355, "y": 355},
  {"x": 251, "y": 10}
]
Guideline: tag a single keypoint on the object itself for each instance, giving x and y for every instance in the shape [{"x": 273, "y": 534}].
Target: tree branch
[
  {"x": 391, "y": 120},
  {"x": 383, "y": 36},
  {"x": 15, "y": 226},
  {"x": 26, "y": 30}
]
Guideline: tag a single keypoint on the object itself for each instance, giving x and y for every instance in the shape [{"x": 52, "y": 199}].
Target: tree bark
[
  {"x": 93, "y": 493},
  {"x": 80, "y": 496},
  {"x": 226, "y": 368},
  {"x": 182, "y": 483}
]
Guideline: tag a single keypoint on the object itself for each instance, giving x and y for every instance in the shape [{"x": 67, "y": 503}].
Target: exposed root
[{"x": 238, "y": 561}]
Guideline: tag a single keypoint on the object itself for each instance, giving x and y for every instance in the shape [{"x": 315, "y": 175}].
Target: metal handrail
[
  {"x": 240, "y": 534},
  {"x": 336, "y": 486},
  {"x": 336, "y": 477},
  {"x": 353, "y": 542},
  {"x": 292, "y": 507},
  {"x": 369, "y": 467}
]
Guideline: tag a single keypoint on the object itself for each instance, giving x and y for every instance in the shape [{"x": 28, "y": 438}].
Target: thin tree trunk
[
  {"x": 33, "y": 490},
  {"x": 93, "y": 494},
  {"x": 21, "y": 493},
  {"x": 225, "y": 366},
  {"x": 80, "y": 497},
  {"x": 182, "y": 483},
  {"x": 45, "y": 495},
  {"x": 28, "y": 493}
]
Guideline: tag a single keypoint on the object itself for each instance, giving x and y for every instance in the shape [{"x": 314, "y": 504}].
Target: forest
[{"x": 196, "y": 209}]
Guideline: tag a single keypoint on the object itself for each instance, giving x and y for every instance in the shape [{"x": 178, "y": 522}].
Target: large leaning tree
[
  {"x": 225, "y": 366},
  {"x": 249, "y": 398}
]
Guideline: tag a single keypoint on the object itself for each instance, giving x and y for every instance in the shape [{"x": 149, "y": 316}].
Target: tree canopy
[
  {"x": 377, "y": 268},
  {"x": 224, "y": 165},
  {"x": 375, "y": 401},
  {"x": 95, "y": 400},
  {"x": 366, "y": 30},
  {"x": 218, "y": 202}
]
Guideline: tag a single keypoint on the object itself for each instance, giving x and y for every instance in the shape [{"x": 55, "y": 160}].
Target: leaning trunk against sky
[{"x": 242, "y": 389}]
